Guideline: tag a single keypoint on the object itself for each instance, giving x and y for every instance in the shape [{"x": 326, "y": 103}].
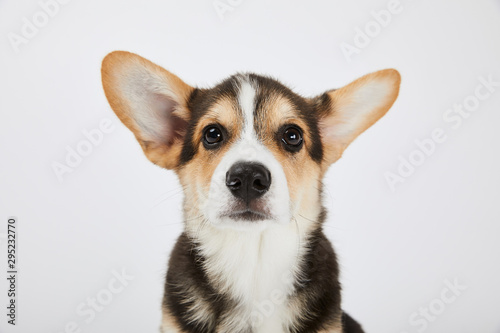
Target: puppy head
[{"x": 249, "y": 152}]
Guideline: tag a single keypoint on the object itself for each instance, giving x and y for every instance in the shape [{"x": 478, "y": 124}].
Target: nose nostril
[
  {"x": 259, "y": 185},
  {"x": 234, "y": 183}
]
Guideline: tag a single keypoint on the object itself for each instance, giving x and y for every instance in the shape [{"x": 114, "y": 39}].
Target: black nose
[{"x": 248, "y": 181}]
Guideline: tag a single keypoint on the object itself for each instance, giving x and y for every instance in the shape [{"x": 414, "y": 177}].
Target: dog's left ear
[
  {"x": 151, "y": 102},
  {"x": 347, "y": 112}
]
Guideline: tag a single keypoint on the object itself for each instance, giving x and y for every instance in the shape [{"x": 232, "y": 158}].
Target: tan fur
[
  {"x": 336, "y": 327},
  {"x": 169, "y": 324},
  {"x": 333, "y": 330},
  {"x": 202, "y": 166},
  {"x": 196, "y": 175},
  {"x": 303, "y": 174}
]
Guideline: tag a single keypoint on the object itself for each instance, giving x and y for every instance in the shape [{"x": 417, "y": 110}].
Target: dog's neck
[
  {"x": 254, "y": 266},
  {"x": 240, "y": 260}
]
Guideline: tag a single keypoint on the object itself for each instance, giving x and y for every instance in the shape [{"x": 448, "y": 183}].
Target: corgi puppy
[{"x": 250, "y": 155}]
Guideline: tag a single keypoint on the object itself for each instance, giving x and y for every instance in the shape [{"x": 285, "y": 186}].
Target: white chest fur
[{"x": 256, "y": 268}]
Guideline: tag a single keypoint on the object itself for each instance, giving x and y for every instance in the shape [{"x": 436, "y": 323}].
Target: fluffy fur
[{"x": 274, "y": 274}]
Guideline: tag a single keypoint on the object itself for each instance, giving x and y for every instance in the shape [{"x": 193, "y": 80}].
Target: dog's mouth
[
  {"x": 253, "y": 211},
  {"x": 248, "y": 215}
]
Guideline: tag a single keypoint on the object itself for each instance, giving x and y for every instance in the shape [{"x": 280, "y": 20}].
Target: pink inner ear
[
  {"x": 178, "y": 128},
  {"x": 157, "y": 120}
]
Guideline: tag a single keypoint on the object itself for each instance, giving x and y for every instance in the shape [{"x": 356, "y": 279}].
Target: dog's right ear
[{"x": 151, "y": 102}]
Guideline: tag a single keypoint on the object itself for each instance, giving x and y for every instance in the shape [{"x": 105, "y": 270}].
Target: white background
[{"x": 117, "y": 210}]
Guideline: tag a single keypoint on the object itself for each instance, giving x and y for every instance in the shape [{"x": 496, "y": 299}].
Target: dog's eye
[
  {"x": 292, "y": 138},
  {"x": 212, "y": 136}
]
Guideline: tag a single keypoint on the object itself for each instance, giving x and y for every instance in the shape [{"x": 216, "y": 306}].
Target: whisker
[
  {"x": 193, "y": 218},
  {"x": 168, "y": 224},
  {"x": 310, "y": 220},
  {"x": 163, "y": 200},
  {"x": 181, "y": 222},
  {"x": 332, "y": 227},
  {"x": 325, "y": 224},
  {"x": 299, "y": 243},
  {"x": 176, "y": 188}
]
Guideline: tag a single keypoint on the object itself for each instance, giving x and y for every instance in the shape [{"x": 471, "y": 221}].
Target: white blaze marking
[{"x": 246, "y": 99}]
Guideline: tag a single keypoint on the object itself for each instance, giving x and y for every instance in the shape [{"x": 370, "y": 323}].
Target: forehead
[{"x": 250, "y": 102}]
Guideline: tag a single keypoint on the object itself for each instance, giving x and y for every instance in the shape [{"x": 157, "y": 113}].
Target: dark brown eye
[
  {"x": 292, "y": 138},
  {"x": 212, "y": 136}
]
